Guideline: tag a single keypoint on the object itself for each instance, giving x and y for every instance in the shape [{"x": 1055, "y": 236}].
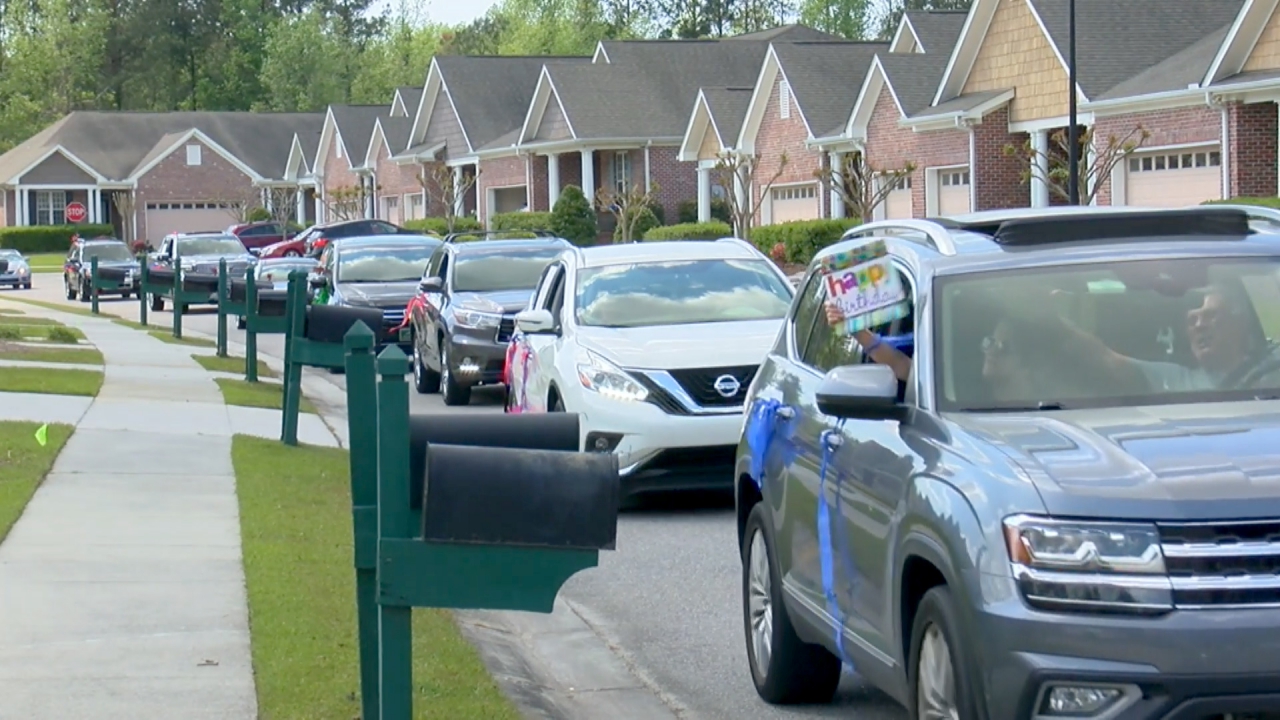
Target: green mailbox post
[
  {"x": 507, "y": 511},
  {"x": 103, "y": 280}
]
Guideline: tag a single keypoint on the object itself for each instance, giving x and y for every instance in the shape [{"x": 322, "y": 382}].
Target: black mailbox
[
  {"x": 200, "y": 282},
  {"x": 160, "y": 276},
  {"x": 521, "y": 497},
  {"x": 238, "y": 289},
  {"x": 541, "y": 431},
  {"x": 330, "y": 323},
  {"x": 272, "y": 303}
]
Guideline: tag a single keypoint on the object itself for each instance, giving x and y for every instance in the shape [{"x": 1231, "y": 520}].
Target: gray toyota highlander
[{"x": 1051, "y": 491}]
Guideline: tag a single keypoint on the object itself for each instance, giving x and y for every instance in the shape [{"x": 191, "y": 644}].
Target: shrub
[
  {"x": 719, "y": 211},
  {"x": 690, "y": 231},
  {"x": 439, "y": 226},
  {"x": 48, "y": 238},
  {"x": 801, "y": 238},
  {"x": 573, "y": 218},
  {"x": 60, "y": 334},
  {"x": 522, "y": 221},
  {"x": 258, "y": 214},
  {"x": 1269, "y": 202},
  {"x": 9, "y": 332},
  {"x": 646, "y": 221}
]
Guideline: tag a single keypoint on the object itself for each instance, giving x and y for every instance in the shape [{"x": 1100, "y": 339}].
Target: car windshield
[
  {"x": 9, "y": 254},
  {"x": 494, "y": 271},
  {"x": 107, "y": 251},
  {"x": 280, "y": 272},
  {"x": 680, "y": 293},
  {"x": 381, "y": 265},
  {"x": 1146, "y": 332},
  {"x": 212, "y": 245}
]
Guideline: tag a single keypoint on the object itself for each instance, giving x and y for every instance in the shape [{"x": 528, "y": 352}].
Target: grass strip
[
  {"x": 295, "y": 527},
  {"x": 23, "y": 465},
  {"x": 50, "y": 382},
  {"x": 258, "y": 395},
  {"x": 230, "y": 364},
  {"x": 72, "y": 356},
  {"x": 82, "y": 311}
]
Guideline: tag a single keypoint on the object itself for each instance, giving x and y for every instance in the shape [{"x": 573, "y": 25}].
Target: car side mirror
[
  {"x": 859, "y": 391},
  {"x": 431, "y": 285},
  {"x": 535, "y": 322}
]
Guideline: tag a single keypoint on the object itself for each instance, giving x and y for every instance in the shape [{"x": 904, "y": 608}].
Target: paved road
[{"x": 668, "y": 598}]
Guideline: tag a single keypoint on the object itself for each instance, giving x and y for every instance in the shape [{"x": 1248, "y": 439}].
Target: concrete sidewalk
[{"x": 121, "y": 587}]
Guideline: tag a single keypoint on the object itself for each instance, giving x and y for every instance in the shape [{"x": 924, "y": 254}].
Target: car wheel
[
  {"x": 938, "y": 688},
  {"x": 292, "y": 253},
  {"x": 84, "y": 291},
  {"x": 71, "y": 293},
  {"x": 125, "y": 295},
  {"x": 556, "y": 404},
  {"x": 26, "y": 286},
  {"x": 784, "y": 668},
  {"x": 240, "y": 323},
  {"x": 157, "y": 303},
  {"x": 425, "y": 380},
  {"x": 452, "y": 392}
]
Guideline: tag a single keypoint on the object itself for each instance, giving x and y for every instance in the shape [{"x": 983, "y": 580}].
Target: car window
[
  {"x": 539, "y": 297},
  {"x": 106, "y": 251},
  {"x": 492, "y": 271},
  {"x": 829, "y": 347},
  {"x": 433, "y": 265},
  {"x": 381, "y": 228},
  {"x": 552, "y": 299},
  {"x": 807, "y": 309}
]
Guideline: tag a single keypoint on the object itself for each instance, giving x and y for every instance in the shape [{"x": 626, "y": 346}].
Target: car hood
[
  {"x": 1171, "y": 462},
  {"x": 381, "y": 295},
  {"x": 671, "y": 347},
  {"x": 505, "y": 301},
  {"x": 205, "y": 261},
  {"x": 114, "y": 263}
]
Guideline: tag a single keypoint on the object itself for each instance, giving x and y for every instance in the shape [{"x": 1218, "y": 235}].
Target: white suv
[{"x": 654, "y": 345}]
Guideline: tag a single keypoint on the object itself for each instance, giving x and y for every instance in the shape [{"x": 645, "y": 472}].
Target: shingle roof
[
  {"x": 785, "y": 33},
  {"x": 396, "y": 131},
  {"x": 355, "y": 125},
  {"x": 411, "y": 95},
  {"x": 914, "y": 78},
  {"x": 492, "y": 93},
  {"x": 728, "y": 108},
  {"x": 115, "y": 143},
  {"x": 1180, "y": 70},
  {"x": 1111, "y": 47},
  {"x": 825, "y": 77},
  {"x": 937, "y": 30}
]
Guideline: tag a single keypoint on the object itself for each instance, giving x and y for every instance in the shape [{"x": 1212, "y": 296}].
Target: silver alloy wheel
[
  {"x": 935, "y": 678},
  {"x": 760, "y": 602},
  {"x": 417, "y": 364},
  {"x": 444, "y": 368}
]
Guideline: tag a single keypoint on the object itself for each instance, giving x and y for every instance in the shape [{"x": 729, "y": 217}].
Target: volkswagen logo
[{"x": 727, "y": 386}]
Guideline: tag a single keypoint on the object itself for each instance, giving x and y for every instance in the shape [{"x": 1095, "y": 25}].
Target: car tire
[
  {"x": 556, "y": 404},
  {"x": 936, "y": 639},
  {"x": 240, "y": 323},
  {"x": 425, "y": 380},
  {"x": 26, "y": 286},
  {"x": 157, "y": 303},
  {"x": 125, "y": 295},
  {"x": 71, "y": 294},
  {"x": 451, "y": 392},
  {"x": 292, "y": 253},
  {"x": 84, "y": 291},
  {"x": 791, "y": 671}
]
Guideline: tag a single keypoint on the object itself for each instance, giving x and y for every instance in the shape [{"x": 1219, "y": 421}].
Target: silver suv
[{"x": 1053, "y": 490}]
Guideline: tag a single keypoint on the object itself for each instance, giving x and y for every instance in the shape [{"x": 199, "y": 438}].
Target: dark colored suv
[
  {"x": 112, "y": 254},
  {"x": 465, "y": 313}
]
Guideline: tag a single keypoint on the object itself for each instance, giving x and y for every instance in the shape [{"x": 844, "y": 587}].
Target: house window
[
  {"x": 1175, "y": 161},
  {"x": 902, "y": 183},
  {"x": 784, "y": 99},
  {"x": 193, "y": 155},
  {"x": 621, "y": 171},
  {"x": 953, "y": 178},
  {"x": 799, "y": 192},
  {"x": 51, "y": 207}
]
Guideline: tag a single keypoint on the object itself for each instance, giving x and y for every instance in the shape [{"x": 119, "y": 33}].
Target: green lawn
[
  {"x": 77, "y": 356},
  {"x": 74, "y": 310},
  {"x": 167, "y": 336},
  {"x": 46, "y": 262},
  {"x": 50, "y": 382},
  {"x": 23, "y": 464},
  {"x": 230, "y": 364},
  {"x": 54, "y": 333},
  {"x": 259, "y": 395},
  {"x": 295, "y": 527},
  {"x": 11, "y": 311},
  {"x": 30, "y": 321}
]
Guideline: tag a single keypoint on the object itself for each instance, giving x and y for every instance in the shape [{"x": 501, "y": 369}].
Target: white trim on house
[
  {"x": 70, "y": 157},
  {"x": 326, "y": 139},
  {"x": 1053, "y": 123},
  {"x": 699, "y": 121},
  {"x": 377, "y": 140},
  {"x": 428, "y": 155},
  {"x": 196, "y": 134},
  {"x": 905, "y": 24},
  {"x": 398, "y": 101},
  {"x": 461, "y": 161},
  {"x": 960, "y": 119},
  {"x": 297, "y": 156},
  {"x": 600, "y": 52},
  {"x": 430, "y": 89},
  {"x": 965, "y": 53},
  {"x": 864, "y": 107},
  {"x": 542, "y": 94},
  {"x": 1243, "y": 36},
  {"x": 769, "y": 73}
]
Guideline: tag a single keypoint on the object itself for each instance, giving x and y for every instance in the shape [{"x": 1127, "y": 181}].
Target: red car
[
  {"x": 258, "y": 235},
  {"x": 311, "y": 241},
  {"x": 295, "y": 246}
]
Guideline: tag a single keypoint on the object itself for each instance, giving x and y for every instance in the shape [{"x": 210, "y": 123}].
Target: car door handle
[{"x": 786, "y": 413}]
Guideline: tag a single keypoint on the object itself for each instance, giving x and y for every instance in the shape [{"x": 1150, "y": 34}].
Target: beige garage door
[
  {"x": 796, "y": 202},
  {"x": 1174, "y": 179},
  {"x": 897, "y": 204},
  {"x": 953, "y": 191},
  {"x": 165, "y": 218}
]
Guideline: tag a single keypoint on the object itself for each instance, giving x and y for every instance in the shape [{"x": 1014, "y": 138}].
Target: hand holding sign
[{"x": 863, "y": 288}]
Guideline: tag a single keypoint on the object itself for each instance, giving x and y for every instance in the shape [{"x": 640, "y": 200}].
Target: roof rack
[
  {"x": 936, "y": 235},
  {"x": 451, "y": 237},
  {"x": 1204, "y": 222}
]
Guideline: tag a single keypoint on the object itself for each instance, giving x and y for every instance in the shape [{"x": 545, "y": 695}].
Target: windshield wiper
[{"x": 1038, "y": 407}]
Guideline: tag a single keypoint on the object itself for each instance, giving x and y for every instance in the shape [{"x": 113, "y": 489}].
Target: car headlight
[
  {"x": 476, "y": 319},
  {"x": 601, "y": 376},
  {"x": 22, "y": 270},
  {"x": 1088, "y": 566}
]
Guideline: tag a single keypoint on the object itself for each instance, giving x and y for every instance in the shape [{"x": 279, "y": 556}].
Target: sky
[{"x": 448, "y": 12}]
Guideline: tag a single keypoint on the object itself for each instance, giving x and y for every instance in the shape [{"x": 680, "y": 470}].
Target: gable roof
[
  {"x": 115, "y": 144},
  {"x": 936, "y": 30},
  {"x": 811, "y": 68},
  {"x": 913, "y": 78},
  {"x": 393, "y": 131},
  {"x": 354, "y": 124},
  {"x": 719, "y": 111},
  {"x": 492, "y": 93},
  {"x": 406, "y": 100}
]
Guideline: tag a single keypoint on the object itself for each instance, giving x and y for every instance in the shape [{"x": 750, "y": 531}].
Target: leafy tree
[
  {"x": 305, "y": 63},
  {"x": 573, "y": 218},
  {"x": 846, "y": 18},
  {"x": 891, "y": 11},
  {"x": 1108, "y": 152}
]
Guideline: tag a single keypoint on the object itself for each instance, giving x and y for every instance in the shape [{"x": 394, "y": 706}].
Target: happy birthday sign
[{"x": 863, "y": 284}]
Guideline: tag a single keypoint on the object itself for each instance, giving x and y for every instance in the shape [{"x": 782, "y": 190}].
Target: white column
[
  {"x": 1039, "y": 168},
  {"x": 268, "y": 200},
  {"x": 300, "y": 213},
  {"x": 317, "y": 200},
  {"x": 1089, "y": 178},
  {"x": 459, "y": 201},
  {"x": 648, "y": 174},
  {"x": 91, "y": 199},
  {"x": 553, "y": 180},
  {"x": 836, "y": 160},
  {"x": 704, "y": 194},
  {"x": 589, "y": 176},
  {"x": 20, "y": 199}
]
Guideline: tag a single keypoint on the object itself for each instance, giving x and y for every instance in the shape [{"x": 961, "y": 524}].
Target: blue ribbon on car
[
  {"x": 761, "y": 427},
  {"x": 825, "y": 545}
]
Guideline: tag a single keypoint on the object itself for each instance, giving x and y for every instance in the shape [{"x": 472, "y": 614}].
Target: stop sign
[{"x": 76, "y": 212}]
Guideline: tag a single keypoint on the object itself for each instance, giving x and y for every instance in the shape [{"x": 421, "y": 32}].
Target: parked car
[
  {"x": 77, "y": 270},
  {"x": 380, "y": 272},
  {"x": 258, "y": 235},
  {"x": 324, "y": 234},
  {"x": 470, "y": 294},
  {"x": 274, "y": 273},
  {"x": 1057, "y": 506},
  {"x": 295, "y": 246},
  {"x": 14, "y": 269},
  {"x": 654, "y": 346},
  {"x": 199, "y": 254}
]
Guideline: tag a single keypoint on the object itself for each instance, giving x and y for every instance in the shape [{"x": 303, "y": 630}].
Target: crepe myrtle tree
[
  {"x": 241, "y": 206},
  {"x": 738, "y": 174},
  {"x": 347, "y": 202},
  {"x": 448, "y": 189},
  {"x": 282, "y": 204},
  {"x": 632, "y": 208},
  {"x": 125, "y": 205},
  {"x": 861, "y": 185},
  {"x": 1054, "y": 167}
]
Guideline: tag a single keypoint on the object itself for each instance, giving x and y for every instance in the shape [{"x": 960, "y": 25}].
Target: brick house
[
  {"x": 400, "y": 192},
  {"x": 151, "y": 173},
  {"x": 348, "y": 188}
]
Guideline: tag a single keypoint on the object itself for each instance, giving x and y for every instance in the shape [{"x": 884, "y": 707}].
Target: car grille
[
  {"x": 660, "y": 397},
  {"x": 4, "y": 267},
  {"x": 392, "y": 318},
  {"x": 1223, "y": 564},
  {"x": 700, "y": 383},
  {"x": 506, "y": 328}
]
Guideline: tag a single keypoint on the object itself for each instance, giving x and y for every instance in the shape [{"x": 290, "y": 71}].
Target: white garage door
[
  {"x": 797, "y": 202},
  {"x": 165, "y": 218},
  {"x": 897, "y": 204},
  {"x": 953, "y": 191},
  {"x": 1174, "y": 179}
]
